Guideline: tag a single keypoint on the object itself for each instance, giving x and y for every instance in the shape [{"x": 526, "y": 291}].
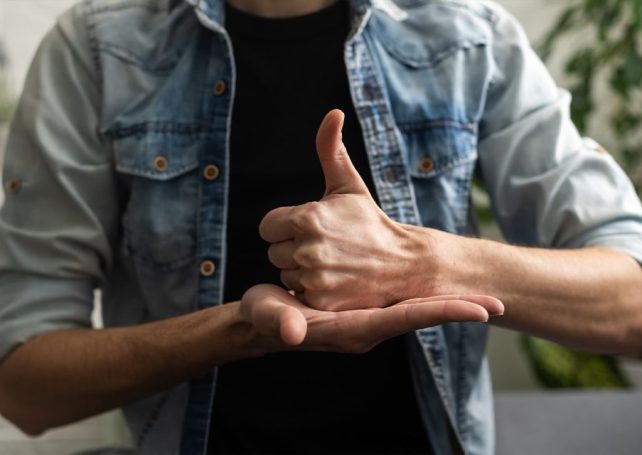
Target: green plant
[
  {"x": 613, "y": 51},
  {"x": 557, "y": 367}
]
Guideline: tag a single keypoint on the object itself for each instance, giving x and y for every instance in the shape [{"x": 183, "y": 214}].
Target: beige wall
[{"x": 23, "y": 23}]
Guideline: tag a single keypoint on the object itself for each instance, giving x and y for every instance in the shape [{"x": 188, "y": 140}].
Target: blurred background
[{"x": 591, "y": 48}]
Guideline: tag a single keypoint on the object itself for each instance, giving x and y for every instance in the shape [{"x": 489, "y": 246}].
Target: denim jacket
[{"x": 110, "y": 181}]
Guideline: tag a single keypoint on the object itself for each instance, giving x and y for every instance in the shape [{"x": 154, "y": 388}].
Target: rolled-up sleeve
[
  {"x": 58, "y": 220},
  {"x": 549, "y": 187}
]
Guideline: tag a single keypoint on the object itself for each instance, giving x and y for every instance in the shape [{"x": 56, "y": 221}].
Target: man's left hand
[{"x": 343, "y": 252}]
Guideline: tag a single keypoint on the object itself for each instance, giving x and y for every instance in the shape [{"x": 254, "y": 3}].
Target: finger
[
  {"x": 281, "y": 255},
  {"x": 293, "y": 326},
  {"x": 493, "y": 305},
  {"x": 276, "y": 226},
  {"x": 291, "y": 279},
  {"x": 273, "y": 313},
  {"x": 406, "y": 317},
  {"x": 341, "y": 177}
]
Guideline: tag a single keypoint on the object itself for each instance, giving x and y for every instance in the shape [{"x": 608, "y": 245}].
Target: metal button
[
  {"x": 207, "y": 268},
  {"x": 160, "y": 163},
  {"x": 426, "y": 165},
  {"x": 390, "y": 174},
  {"x": 211, "y": 172},
  {"x": 368, "y": 92},
  {"x": 13, "y": 186},
  {"x": 219, "y": 88}
]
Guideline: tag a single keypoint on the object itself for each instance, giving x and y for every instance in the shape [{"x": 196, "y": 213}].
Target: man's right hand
[
  {"x": 91, "y": 371},
  {"x": 281, "y": 321}
]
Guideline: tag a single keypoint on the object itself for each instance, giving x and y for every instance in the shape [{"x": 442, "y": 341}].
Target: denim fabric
[{"x": 444, "y": 89}]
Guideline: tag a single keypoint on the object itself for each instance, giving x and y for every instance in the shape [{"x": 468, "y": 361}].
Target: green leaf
[
  {"x": 615, "y": 53},
  {"x": 557, "y": 367}
]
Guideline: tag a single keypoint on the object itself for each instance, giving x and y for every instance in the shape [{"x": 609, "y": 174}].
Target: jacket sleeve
[
  {"x": 549, "y": 187},
  {"x": 59, "y": 218}
]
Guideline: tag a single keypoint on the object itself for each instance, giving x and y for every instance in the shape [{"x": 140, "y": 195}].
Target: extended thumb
[{"x": 341, "y": 177}]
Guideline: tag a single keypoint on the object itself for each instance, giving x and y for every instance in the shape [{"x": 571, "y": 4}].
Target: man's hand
[
  {"x": 342, "y": 252},
  {"x": 281, "y": 321}
]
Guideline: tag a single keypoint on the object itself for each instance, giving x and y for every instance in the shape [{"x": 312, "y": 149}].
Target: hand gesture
[
  {"x": 342, "y": 252},
  {"x": 280, "y": 321}
]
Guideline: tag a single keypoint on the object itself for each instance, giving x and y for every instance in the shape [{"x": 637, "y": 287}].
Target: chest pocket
[
  {"x": 160, "y": 216},
  {"x": 441, "y": 159}
]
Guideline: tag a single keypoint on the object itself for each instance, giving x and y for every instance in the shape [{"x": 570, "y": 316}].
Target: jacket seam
[
  {"x": 111, "y": 6},
  {"x": 156, "y": 127},
  {"x": 438, "y": 123},
  {"x": 90, "y": 26},
  {"x": 486, "y": 12},
  {"x": 462, "y": 415},
  {"x": 153, "y": 418}
]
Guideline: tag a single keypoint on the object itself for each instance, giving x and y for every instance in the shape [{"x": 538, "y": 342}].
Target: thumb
[
  {"x": 340, "y": 175},
  {"x": 273, "y": 312}
]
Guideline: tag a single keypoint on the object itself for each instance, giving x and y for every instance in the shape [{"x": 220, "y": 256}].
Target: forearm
[
  {"x": 64, "y": 376},
  {"x": 588, "y": 298},
  {"x": 61, "y": 377}
]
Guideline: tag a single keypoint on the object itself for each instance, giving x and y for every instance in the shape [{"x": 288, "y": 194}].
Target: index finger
[
  {"x": 406, "y": 317},
  {"x": 276, "y": 227}
]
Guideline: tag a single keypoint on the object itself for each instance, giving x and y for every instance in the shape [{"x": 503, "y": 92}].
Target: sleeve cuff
[
  {"x": 624, "y": 236},
  {"x": 32, "y": 305}
]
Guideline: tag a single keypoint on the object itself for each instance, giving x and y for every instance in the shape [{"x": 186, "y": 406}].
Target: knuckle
[
  {"x": 318, "y": 301},
  {"x": 317, "y": 281},
  {"x": 307, "y": 218},
  {"x": 309, "y": 256}
]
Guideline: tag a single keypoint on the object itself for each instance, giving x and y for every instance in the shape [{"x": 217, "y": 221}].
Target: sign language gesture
[
  {"x": 343, "y": 252},
  {"x": 280, "y": 321}
]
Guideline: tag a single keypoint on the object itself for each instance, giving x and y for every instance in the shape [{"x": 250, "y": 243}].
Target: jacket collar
[{"x": 212, "y": 12}]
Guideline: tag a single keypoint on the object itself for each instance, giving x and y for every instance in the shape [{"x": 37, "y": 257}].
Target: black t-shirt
[{"x": 290, "y": 73}]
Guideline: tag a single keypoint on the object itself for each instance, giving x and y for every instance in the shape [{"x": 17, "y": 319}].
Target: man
[{"x": 152, "y": 139}]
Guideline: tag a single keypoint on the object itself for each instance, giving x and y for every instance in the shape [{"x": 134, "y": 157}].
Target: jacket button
[
  {"x": 211, "y": 172},
  {"x": 160, "y": 163},
  {"x": 207, "y": 268},
  {"x": 219, "y": 88},
  {"x": 390, "y": 175},
  {"x": 601, "y": 149},
  {"x": 13, "y": 186},
  {"x": 426, "y": 165},
  {"x": 368, "y": 92}
]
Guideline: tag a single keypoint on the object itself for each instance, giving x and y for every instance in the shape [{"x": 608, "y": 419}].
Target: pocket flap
[
  {"x": 157, "y": 155},
  {"x": 436, "y": 149},
  {"x": 432, "y": 32}
]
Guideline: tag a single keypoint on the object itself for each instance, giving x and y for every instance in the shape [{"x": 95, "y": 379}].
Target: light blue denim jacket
[{"x": 443, "y": 89}]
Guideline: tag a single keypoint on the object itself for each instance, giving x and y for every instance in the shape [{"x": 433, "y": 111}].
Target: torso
[{"x": 289, "y": 74}]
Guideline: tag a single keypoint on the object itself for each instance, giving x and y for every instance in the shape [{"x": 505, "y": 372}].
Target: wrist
[
  {"x": 230, "y": 336},
  {"x": 465, "y": 264},
  {"x": 422, "y": 269},
  {"x": 439, "y": 262}
]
